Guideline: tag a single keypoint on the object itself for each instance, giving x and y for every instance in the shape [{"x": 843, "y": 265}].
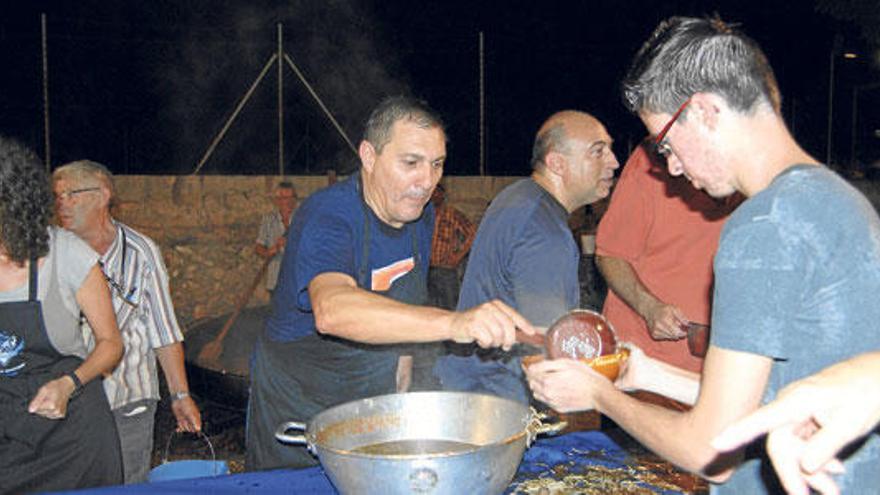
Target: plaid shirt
[{"x": 453, "y": 235}]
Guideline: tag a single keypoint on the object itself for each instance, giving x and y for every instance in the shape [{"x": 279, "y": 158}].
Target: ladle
[{"x": 578, "y": 334}]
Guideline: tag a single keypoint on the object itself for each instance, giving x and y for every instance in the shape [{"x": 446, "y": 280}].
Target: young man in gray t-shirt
[{"x": 796, "y": 273}]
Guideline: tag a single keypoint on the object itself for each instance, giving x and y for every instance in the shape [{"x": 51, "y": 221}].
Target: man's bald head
[{"x": 555, "y": 132}]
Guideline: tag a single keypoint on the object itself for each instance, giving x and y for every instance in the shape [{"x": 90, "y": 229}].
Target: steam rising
[{"x": 337, "y": 46}]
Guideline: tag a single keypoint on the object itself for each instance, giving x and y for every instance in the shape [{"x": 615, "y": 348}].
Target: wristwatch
[
  {"x": 77, "y": 384},
  {"x": 179, "y": 395}
]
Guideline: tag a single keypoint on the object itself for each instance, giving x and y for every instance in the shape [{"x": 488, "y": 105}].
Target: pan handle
[
  {"x": 537, "y": 426},
  {"x": 282, "y": 436}
]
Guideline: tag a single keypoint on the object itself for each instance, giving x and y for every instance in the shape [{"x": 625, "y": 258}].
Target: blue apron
[{"x": 299, "y": 379}]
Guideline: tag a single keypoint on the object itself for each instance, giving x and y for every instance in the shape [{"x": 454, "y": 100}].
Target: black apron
[
  {"x": 36, "y": 453},
  {"x": 294, "y": 381}
]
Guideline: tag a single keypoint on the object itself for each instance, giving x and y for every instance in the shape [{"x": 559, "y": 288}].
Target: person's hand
[
  {"x": 566, "y": 385},
  {"x": 280, "y": 242},
  {"x": 811, "y": 420},
  {"x": 666, "y": 322},
  {"x": 187, "y": 414},
  {"x": 491, "y": 324},
  {"x": 51, "y": 399},
  {"x": 277, "y": 246},
  {"x": 633, "y": 369}
]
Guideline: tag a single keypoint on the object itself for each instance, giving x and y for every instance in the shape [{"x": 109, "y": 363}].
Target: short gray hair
[
  {"x": 286, "y": 184},
  {"x": 83, "y": 170},
  {"x": 377, "y": 131}
]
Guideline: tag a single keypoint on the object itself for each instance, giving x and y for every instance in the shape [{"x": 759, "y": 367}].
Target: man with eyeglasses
[
  {"x": 797, "y": 270},
  {"x": 524, "y": 253},
  {"x": 138, "y": 281}
]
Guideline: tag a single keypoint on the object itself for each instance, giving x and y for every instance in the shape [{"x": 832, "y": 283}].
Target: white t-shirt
[{"x": 63, "y": 270}]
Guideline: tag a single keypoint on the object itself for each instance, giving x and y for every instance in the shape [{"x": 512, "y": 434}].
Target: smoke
[{"x": 216, "y": 56}]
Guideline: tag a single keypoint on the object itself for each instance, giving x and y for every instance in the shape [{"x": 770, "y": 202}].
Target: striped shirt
[{"x": 144, "y": 313}]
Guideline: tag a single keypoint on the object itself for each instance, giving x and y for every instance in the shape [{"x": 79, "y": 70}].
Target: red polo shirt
[{"x": 668, "y": 231}]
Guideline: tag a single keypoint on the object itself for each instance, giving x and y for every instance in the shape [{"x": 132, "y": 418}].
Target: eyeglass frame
[
  {"x": 66, "y": 195},
  {"x": 126, "y": 296},
  {"x": 661, "y": 147}
]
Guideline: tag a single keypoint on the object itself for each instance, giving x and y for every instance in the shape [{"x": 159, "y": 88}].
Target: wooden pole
[
  {"x": 855, "y": 120},
  {"x": 320, "y": 103},
  {"x": 835, "y": 47},
  {"x": 46, "y": 141},
  {"x": 250, "y": 91},
  {"x": 280, "y": 104},
  {"x": 482, "y": 107}
]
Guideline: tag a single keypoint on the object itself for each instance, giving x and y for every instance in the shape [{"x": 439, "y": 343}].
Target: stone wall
[{"x": 206, "y": 227}]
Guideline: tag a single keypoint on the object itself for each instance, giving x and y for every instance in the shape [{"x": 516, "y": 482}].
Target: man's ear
[
  {"x": 367, "y": 154},
  {"x": 706, "y": 109},
  {"x": 556, "y": 163},
  {"x": 105, "y": 196}
]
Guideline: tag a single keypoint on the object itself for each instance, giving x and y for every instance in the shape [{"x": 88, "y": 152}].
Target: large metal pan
[
  {"x": 421, "y": 442},
  {"x": 226, "y": 380}
]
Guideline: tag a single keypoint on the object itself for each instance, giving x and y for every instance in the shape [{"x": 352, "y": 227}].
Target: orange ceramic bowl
[{"x": 607, "y": 365}]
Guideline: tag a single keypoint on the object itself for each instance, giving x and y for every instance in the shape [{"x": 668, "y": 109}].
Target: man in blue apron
[{"x": 351, "y": 284}]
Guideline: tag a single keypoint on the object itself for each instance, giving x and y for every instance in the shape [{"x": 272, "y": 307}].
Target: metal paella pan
[
  {"x": 420, "y": 442},
  {"x": 224, "y": 380}
]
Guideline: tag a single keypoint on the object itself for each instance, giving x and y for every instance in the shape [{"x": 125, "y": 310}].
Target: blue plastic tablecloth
[{"x": 575, "y": 451}]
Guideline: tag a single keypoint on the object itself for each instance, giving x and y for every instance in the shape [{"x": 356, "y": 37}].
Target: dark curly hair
[{"x": 25, "y": 202}]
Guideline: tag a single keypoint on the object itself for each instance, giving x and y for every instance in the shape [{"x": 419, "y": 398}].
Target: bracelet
[
  {"x": 179, "y": 395},
  {"x": 77, "y": 384}
]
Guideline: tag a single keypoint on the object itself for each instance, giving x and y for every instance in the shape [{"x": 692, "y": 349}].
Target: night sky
[{"x": 144, "y": 86}]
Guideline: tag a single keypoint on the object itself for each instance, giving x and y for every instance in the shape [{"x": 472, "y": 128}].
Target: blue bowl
[{"x": 181, "y": 470}]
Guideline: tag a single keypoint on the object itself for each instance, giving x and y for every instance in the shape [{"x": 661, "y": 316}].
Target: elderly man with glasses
[
  {"x": 797, "y": 270},
  {"x": 138, "y": 281}
]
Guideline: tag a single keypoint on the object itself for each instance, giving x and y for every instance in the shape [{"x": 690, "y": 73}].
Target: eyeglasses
[
  {"x": 126, "y": 296},
  {"x": 661, "y": 147},
  {"x": 66, "y": 195}
]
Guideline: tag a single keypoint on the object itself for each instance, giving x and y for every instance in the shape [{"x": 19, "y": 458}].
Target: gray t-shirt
[
  {"x": 64, "y": 270},
  {"x": 524, "y": 255},
  {"x": 797, "y": 275}
]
